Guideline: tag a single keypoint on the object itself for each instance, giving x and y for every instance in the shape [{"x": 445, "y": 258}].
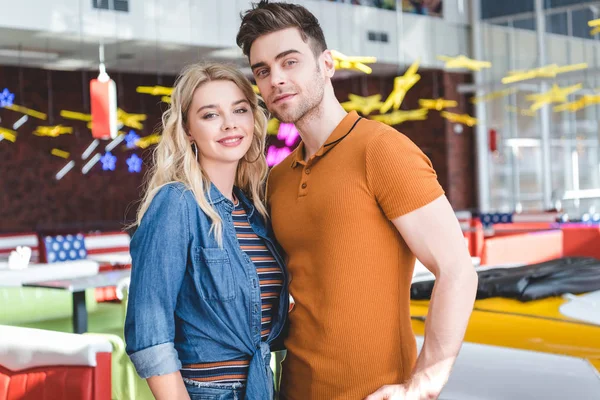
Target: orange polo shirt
[{"x": 350, "y": 330}]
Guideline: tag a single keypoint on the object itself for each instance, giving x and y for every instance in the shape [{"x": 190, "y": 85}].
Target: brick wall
[{"x": 32, "y": 199}]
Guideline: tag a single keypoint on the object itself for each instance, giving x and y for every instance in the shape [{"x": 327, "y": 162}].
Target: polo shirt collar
[{"x": 338, "y": 133}]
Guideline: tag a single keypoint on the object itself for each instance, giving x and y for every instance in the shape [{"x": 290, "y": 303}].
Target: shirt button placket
[{"x": 304, "y": 181}]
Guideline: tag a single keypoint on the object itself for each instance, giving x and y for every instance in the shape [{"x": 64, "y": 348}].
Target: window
[{"x": 115, "y": 5}]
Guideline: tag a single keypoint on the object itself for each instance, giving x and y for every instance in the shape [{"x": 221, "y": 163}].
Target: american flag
[{"x": 9, "y": 242}]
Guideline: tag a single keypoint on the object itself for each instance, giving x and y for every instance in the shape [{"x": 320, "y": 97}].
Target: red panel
[
  {"x": 527, "y": 248},
  {"x": 102, "y": 377},
  {"x": 581, "y": 241},
  {"x": 52, "y": 383}
]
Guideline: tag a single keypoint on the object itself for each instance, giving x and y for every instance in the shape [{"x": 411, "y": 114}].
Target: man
[{"x": 352, "y": 206}]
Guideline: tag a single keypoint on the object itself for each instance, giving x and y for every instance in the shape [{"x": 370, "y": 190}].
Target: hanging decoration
[
  {"x": 131, "y": 139},
  {"x": 63, "y": 171},
  {"x": 8, "y": 134},
  {"x": 583, "y": 102},
  {"x": 109, "y": 162},
  {"x": 398, "y": 117},
  {"x": 464, "y": 119},
  {"x": 27, "y": 111},
  {"x": 78, "y": 116},
  {"x": 88, "y": 166},
  {"x": 554, "y": 95},
  {"x": 276, "y": 155},
  {"x": 402, "y": 84},
  {"x": 462, "y": 61},
  {"x": 364, "y": 105},
  {"x": 548, "y": 71},
  {"x": 595, "y": 23},
  {"x": 53, "y": 131},
  {"x": 342, "y": 61},
  {"x": 103, "y": 96},
  {"x": 163, "y": 91},
  {"x": 288, "y": 133},
  {"x": 131, "y": 120},
  {"x": 437, "y": 104},
  {"x": 273, "y": 126},
  {"x": 256, "y": 89},
  {"x": 19, "y": 123},
  {"x": 149, "y": 140},
  {"x": 6, "y": 98},
  {"x": 134, "y": 163},
  {"x": 60, "y": 153},
  {"x": 494, "y": 95}
]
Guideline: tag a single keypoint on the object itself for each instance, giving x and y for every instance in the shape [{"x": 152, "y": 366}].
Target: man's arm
[{"x": 433, "y": 234}]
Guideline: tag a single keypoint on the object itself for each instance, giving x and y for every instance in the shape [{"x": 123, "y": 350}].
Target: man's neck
[{"x": 316, "y": 128}]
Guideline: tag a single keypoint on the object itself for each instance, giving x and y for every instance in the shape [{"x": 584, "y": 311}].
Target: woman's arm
[{"x": 168, "y": 387}]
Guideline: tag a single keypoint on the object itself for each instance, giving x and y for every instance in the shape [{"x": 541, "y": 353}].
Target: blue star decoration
[
  {"x": 131, "y": 139},
  {"x": 109, "y": 162},
  {"x": 134, "y": 163},
  {"x": 6, "y": 98}
]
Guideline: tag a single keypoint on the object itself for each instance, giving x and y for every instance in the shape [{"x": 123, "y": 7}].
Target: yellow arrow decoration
[
  {"x": 60, "y": 153},
  {"x": 554, "y": 95},
  {"x": 548, "y": 71},
  {"x": 462, "y": 61},
  {"x": 155, "y": 90},
  {"x": 342, "y": 61},
  {"x": 398, "y": 117},
  {"x": 8, "y": 134},
  {"x": 583, "y": 102},
  {"x": 131, "y": 120},
  {"x": 437, "y": 104},
  {"x": 75, "y": 115},
  {"x": 53, "y": 131},
  {"x": 27, "y": 111},
  {"x": 365, "y": 105},
  {"x": 494, "y": 95},
  {"x": 595, "y": 23},
  {"x": 273, "y": 126},
  {"x": 148, "y": 140},
  {"x": 402, "y": 84},
  {"x": 464, "y": 119}
]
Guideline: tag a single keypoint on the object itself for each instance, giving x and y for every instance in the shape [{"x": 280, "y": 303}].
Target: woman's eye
[
  {"x": 241, "y": 110},
  {"x": 209, "y": 115}
]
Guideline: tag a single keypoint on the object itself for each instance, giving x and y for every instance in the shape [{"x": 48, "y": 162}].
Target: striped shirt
[{"x": 271, "y": 282}]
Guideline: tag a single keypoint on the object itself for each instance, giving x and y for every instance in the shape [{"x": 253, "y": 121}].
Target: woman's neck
[{"x": 221, "y": 175}]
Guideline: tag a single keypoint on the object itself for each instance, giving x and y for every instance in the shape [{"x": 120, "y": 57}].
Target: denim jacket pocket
[{"x": 216, "y": 275}]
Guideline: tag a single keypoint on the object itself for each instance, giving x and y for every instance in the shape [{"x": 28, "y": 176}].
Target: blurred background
[{"x": 518, "y": 156}]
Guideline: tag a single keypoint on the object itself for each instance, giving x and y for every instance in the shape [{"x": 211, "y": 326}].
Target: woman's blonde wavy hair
[{"x": 175, "y": 161}]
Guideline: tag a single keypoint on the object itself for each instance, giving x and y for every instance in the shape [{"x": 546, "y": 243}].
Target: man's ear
[{"x": 329, "y": 63}]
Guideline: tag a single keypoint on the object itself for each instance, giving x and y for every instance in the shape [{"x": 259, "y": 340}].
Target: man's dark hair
[{"x": 265, "y": 17}]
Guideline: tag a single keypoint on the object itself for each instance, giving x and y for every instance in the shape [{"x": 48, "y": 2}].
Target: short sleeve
[{"x": 399, "y": 174}]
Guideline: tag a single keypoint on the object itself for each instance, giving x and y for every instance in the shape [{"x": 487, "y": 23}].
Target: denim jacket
[{"x": 191, "y": 301}]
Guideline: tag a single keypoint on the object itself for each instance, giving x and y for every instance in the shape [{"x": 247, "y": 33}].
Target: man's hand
[{"x": 420, "y": 387}]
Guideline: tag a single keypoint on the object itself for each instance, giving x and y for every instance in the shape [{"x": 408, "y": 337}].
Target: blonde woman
[{"x": 208, "y": 290}]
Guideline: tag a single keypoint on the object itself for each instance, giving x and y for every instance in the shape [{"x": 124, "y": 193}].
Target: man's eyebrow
[{"x": 277, "y": 57}]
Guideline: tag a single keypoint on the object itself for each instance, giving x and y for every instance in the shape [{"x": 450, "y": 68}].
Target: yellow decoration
[
  {"x": 155, "y": 90},
  {"x": 60, "y": 153},
  {"x": 366, "y": 105},
  {"x": 53, "y": 131},
  {"x": 494, "y": 95},
  {"x": 554, "y": 95},
  {"x": 148, "y": 140},
  {"x": 464, "y": 62},
  {"x": 584, "y": 101},
  {"x": 75, "y": 115},
  {"x": 273, "y": 126},
  {"x": 595, "y": 23},
  {"x": 342, "y": 61},
  {"x": 8, "y": 134},
  {"x": 27, "y": 111},
  {"x": 523, "y": 112},
  {"x": 131, "y": 120},
  {"x": 166, "y": 99},
  {"x": 548, "y": 71},
  {"x": 464, "y": 119},
  {"x": 398, "y": 117},
  {"x": 256, "y": 89},
  {"x": 402, "y": 84},
  {"x": 437, "y": 104}
]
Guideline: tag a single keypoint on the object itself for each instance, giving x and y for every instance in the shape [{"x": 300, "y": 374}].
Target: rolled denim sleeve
[{"x": 159, "y": 252}]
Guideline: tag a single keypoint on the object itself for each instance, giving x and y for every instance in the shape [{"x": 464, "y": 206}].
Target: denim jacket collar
[{"x": 215, "y": 196}]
